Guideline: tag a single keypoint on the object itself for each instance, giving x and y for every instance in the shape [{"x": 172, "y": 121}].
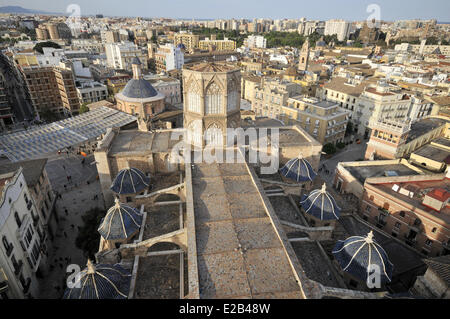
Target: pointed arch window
[
  {"x": 213, "y": 101},
  {"x": 194, "y": 101}
]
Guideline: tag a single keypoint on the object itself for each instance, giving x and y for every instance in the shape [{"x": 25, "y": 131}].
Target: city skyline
[{"x": 289, "y": 9}]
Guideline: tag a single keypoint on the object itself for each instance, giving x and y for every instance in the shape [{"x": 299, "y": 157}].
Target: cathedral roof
[
  {"x": 100, "y": 282},
  {"x": 299, "y": 170},
  {"x": 320, "y": 204},
  {"x": 120, "y": 222},
  {"x": 130, "y": 181},
  {"x": 139, "y": 89},
  {"x": 358, "y": 255}
]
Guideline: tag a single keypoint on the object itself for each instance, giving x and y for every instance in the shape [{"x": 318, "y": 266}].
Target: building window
[
  {"x": 17, "y": 218},
  {"x": 434, "y": 230},
  {"x": 213, "y": 101},
  {"x": 402, "y": 214},
  {"x": 428, "y": 242}
]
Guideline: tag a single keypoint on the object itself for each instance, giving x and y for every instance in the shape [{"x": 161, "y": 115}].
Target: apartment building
[
  {"x": 168, "y": 86},
  {"x": 413, "y": 209},
  {"x": 271, "y": 95},
  {"x": 396, "y": 139},
  {"x": 190, "y": 41},
  {"x": 91, "y": 92},
  {"x": 168, "y": 57},
  {"x": 217, "y": 45},
  {"x": 324, "y": 120},
  {"x": 120, "y": 55},
  {"x": 51, "y": 89},
  {"x": 339, "y": 27},
  {"x": 6, "y": 114},
  {"x": 23, "y": 251},
  {"x": 255, "y": 41}
]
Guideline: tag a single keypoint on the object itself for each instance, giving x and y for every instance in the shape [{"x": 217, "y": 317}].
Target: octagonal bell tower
[{"x": 211, "y": 102}]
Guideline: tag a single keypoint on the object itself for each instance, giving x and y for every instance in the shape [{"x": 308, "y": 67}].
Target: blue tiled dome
[
  {"x": 357, "y": 253},
  {"x": 130, "y": 181},
  {"x": 299, "y": 170},
  {"x": 139, "y": 89},
  {"x": 320, "y": 204},
  {"x": 100, "y": 282},
  {"x": 120, "y": 222}
]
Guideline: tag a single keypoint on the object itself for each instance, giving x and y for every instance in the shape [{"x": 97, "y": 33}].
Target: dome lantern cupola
[
  {"x": 130, "y": 181},
  {"x": 299, "y": 170},
  {"x": 320, "y": 204},
  {"x": 360, "y": 256},
  {"x": 121, "y": 222},
  {"x": 100, "y": 281}
]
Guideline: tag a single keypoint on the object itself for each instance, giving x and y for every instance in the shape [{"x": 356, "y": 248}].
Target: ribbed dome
[
  {"x": 100, "y": 282},
  {"x": 320, "y": 204},
  {"x": 130, "y": 181},
  {"x": 139, "y": 89},
  {"x": 120, "y": 222},
  {"x": 299, "y": 170},
  {"x": 357, "y": 253}
]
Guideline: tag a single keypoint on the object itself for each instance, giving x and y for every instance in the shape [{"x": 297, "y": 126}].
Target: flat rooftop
[
  {"x": 434, "y": 153},
  {"x": 424, "y": 126},
  {"x": 136, "y": 142},
  {"x": 239, "y": 252},
  {"x": 361, "y": 173}
]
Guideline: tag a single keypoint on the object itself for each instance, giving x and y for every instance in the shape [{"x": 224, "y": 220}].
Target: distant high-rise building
[
  {"x": 53, "y": 31},
  {"x": 339, "y": 27},
  {"x": 120, "y": 55},
  {"x": 111, "y": 37},
  {"x": 256, "y": 41}
]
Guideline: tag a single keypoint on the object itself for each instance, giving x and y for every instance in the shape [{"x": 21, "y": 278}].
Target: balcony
[{"x": 29, "y": 204}]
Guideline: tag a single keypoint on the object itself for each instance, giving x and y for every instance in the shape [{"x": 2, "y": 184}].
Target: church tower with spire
[{"x": 304, "y": 56}]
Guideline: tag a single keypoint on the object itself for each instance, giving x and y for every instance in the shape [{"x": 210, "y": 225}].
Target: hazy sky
[{"x": 214, "y": 9}]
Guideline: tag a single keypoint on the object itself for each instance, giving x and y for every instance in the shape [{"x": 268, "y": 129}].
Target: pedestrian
[
  {"x": 68, "y": 178},
  {"x": 73, "y": 226},
  {"x": 65, "y": 234}
]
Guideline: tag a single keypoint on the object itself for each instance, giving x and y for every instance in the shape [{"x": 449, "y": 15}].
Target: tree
[
  {"x": 88, "y": 237},
  {"x": 48, "y": 44},
  {"x": 83, "y": 108},
  {"x": 349, "y": 130},
  {"x": 329, "y": 148}
]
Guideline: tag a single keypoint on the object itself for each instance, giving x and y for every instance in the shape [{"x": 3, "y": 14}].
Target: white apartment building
[
  {"x": 22, "y": 251},
  {"x": 419, "y": 108},
  {"x": 91, "y": 92},
  {"x": 339, "y": 27},
  {"x": 120, "y": 55},
  {"x": 169, "y": 57},
  {"x": 382, "y": 102},
  {"x": 168, "y": 86},
  {"x": 256, "y": 41}
]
